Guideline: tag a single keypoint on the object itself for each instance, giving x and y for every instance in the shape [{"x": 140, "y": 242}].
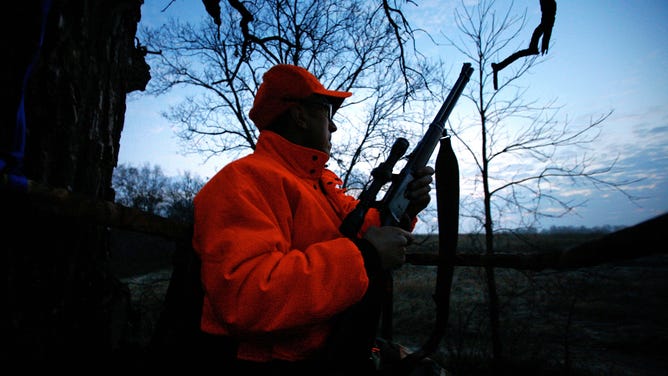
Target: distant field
[{"x": 522, "y": 243}]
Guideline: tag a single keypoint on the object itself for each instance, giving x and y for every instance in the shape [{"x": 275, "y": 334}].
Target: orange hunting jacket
[{"x": 275, "y": 267}]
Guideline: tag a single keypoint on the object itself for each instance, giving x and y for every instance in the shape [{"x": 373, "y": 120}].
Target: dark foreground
[{"x": 608, "y": 320}]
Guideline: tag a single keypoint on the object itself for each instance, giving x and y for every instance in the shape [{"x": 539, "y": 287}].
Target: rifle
[
  {"x": 394, "y": 203},
  {"x": 393, "y": 209}
]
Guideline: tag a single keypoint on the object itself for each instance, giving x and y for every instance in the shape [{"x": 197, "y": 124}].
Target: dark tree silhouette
[
  {"x": 213, "y": 8},
  {"x": 65, "y": 80},
  {"x": 548, "y": 10}
]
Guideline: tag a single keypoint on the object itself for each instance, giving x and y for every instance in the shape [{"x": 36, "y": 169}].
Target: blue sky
[{"x": 604, "y": 55}]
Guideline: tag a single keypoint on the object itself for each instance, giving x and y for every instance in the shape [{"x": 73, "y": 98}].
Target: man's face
[{"x": 320, "y": 125}]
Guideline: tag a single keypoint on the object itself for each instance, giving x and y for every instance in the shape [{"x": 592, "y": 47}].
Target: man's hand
[
  {"x": 390, "y": 242},
  {"x": 418, "y": 191}
]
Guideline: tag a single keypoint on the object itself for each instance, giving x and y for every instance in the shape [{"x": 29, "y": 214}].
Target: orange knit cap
[{"x": 282, "y": 83}]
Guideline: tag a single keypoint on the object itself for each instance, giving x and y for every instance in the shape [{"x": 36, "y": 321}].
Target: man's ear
[{"x": 298, "y": 116}]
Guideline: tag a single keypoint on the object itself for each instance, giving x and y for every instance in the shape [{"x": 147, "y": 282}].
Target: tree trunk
[{"x": 65, "y": 306}]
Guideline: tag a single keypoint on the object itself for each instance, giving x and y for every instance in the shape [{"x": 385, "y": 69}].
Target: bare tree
[
  {"x": 180, "y": 195},
  {"x": 148, "y": 189},
  {"x": 522, "y": 152},
  {"x": 349, "y": 45},
  {"x": 143, "y": 188}
]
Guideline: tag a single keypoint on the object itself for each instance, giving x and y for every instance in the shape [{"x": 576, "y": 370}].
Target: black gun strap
[{"x": 447, "y": 195}]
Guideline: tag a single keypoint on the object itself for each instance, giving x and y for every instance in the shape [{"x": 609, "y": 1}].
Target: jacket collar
[{"x": 304, "y": 162}]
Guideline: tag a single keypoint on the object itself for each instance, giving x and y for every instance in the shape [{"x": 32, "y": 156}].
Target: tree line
[{"x": 147, "y": 188}]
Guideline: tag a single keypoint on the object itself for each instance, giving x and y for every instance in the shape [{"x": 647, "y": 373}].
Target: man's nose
[{"x": 332, "y": 126}]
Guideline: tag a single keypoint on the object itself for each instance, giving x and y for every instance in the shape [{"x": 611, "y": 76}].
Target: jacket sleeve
[{"x": 254, "y": 281}]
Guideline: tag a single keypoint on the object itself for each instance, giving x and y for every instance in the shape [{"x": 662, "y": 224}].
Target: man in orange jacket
[{"x": 276, "y": 271}]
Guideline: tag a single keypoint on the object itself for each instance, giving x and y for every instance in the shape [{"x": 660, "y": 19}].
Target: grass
[{"x": 605, "y": 320}]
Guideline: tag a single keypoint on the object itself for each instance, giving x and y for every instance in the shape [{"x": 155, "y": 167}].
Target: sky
[{"x": 604, "y": 56}]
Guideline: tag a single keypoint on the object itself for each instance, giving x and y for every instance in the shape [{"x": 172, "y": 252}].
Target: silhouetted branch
[
  {"x": 548, "y": 10},
  {"x": 59, "y": 202},
  {"x": 630, "y": 243}
]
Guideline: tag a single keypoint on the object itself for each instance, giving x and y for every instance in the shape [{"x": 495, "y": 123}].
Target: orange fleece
[{"x": 275, "y": 267}]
